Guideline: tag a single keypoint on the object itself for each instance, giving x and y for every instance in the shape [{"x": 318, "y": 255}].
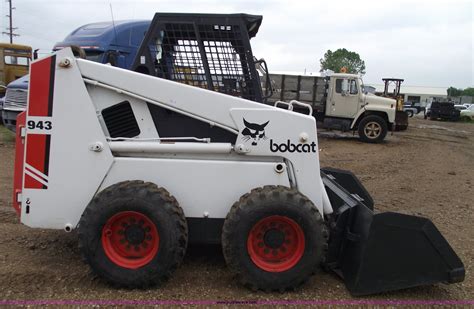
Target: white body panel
[
  {"x": 199, "y": 186},
  {"x": 204, "y": 177},
  {"x": 282, "y": 129},
  {"x": 377, "y": 104},
  {"x": 75, "y": 172},
  {"x": 201, "y": 102}
]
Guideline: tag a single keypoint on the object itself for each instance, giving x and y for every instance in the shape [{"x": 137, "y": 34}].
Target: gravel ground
[{"x": 426, "y": 171}]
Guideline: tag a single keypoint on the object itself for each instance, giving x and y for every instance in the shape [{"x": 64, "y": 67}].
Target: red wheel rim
[
  {"x": 130, "y": 239},
  {"x": 276, "y": 243}
]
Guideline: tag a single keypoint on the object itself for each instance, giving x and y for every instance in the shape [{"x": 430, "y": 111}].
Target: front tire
[
  {"x": 273, "y": 239},
  {"x": 372, "y": 129},
  {"x": 133, "y": 234}
]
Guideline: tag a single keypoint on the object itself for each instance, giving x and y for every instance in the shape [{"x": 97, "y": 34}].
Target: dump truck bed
[{"x": 304, "y": 88}]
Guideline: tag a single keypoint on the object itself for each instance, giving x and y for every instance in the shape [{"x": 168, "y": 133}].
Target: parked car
[
  {"x": 460, "y": 107},
  {"x": 427, "y": 110},
  {"x": 14, "y": 101},
  {"x": 468, "y": 113},
  {"x": 407, "y": 108},
  {"x": 467, "y": 105},
  {"x": 416, "y": 106},
  {"x": 444, "y": 110}
]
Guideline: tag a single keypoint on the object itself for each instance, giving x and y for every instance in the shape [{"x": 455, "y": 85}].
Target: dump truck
[
  {"x": 213, "y": 51},
  {"x": 339, "y": 102},
  {"x": 92, "y": 157}
]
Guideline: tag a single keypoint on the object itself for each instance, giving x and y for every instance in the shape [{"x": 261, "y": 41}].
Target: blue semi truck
[{"x": 105, "y": 42}]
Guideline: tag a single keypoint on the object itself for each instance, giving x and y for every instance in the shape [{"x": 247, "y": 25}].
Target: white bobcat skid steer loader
[{"x": 90, "y": 156}]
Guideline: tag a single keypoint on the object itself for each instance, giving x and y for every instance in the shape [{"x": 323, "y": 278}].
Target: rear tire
[
  {"x": 274, "y": 239},
  {"x": 133, "y": 234},
  {"x": 410, "y": 113},
  {"x": 372, "y": 129}
]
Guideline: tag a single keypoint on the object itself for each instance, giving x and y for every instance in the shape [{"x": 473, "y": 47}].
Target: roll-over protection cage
[{"x": 210, "y": 51}]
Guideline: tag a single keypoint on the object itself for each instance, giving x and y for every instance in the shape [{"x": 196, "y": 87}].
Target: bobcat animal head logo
[{"x": 254, "y": 132}]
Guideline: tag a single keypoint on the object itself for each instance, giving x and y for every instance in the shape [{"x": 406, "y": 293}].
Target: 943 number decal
[{"x": 39, "y": 124}]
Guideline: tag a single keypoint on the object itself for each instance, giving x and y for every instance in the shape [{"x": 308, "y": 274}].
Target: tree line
[{"x": 457, "y": 92}]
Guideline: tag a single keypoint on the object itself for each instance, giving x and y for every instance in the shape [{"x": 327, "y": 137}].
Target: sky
[{"x": 428, "y": 43}]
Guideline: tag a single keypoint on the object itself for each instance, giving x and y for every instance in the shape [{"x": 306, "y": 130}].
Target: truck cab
[
  {"x": 108, "y": 42},
  {"x": 14, "y": 62},
  {"x": 348, "y": 104}
]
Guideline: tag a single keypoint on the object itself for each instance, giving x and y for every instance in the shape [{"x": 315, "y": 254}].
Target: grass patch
[
  {"x": 466, "y": 119},
  {"x": 6, "y": 136}
]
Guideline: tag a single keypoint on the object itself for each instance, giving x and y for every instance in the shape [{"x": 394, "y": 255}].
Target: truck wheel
[
  {"x": 410, "y": 113},
  {"x": 133, "y": 234},
  {"x": 273, "y": 239},
  {"x": 372, "y": 129}
]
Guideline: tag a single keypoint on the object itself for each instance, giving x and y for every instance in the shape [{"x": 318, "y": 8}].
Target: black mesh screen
[{"x": 210, "y": 52}]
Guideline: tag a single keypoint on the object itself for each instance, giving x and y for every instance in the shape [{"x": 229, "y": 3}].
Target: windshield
[{"x": 15, "y": 60}]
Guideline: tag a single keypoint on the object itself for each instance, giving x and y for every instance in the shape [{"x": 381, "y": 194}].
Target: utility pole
[{"x": 10, "y": 16}]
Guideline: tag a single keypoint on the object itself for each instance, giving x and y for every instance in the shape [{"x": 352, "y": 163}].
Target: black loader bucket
[{"x": 375, "y": 253}]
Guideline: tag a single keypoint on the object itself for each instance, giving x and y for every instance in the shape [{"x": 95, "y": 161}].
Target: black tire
[
  {"x": 410, "y": 113},
  {"x": 367, "y": 126},
  {"x": 163, "y": 215},
  {"x": 263, "y": 204}
]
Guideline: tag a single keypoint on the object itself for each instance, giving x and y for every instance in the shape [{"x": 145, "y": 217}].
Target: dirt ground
[{"x": 427, "y": 170}]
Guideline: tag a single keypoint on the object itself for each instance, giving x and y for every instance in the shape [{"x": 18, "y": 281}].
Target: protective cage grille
[{"x": 212, "y": 53}]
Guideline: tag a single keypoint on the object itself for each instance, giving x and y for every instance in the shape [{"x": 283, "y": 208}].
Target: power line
[{"x": 11, "y": 28}]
